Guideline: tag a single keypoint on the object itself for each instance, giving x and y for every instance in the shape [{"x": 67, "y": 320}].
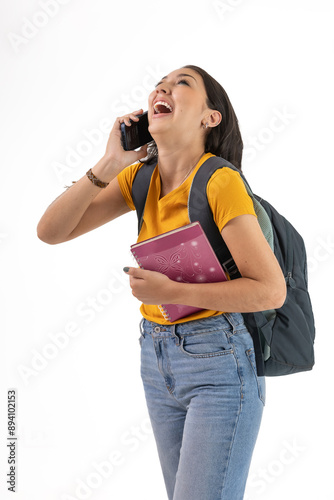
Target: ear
[{"x": 213, "y": 119}]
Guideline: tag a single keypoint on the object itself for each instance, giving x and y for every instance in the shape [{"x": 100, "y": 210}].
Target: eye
[{"x": 183, "y": 82}]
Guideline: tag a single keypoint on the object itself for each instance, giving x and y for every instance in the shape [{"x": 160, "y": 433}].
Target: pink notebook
[{"x": 184, "y": 255}]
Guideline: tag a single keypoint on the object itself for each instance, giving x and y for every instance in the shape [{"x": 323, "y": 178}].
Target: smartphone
[{"x": 137, "y": 134}]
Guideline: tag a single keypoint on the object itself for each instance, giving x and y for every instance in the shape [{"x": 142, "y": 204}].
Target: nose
[{"x": 163, "y": 87}]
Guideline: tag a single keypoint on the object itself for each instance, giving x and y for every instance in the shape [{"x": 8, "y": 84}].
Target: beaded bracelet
[{"x": 95, "y": 180}]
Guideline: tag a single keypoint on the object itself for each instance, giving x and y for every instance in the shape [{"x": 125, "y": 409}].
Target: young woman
[{"x": 204, "y": 396}]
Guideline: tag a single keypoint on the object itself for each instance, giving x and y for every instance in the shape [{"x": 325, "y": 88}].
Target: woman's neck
[{"x": 176, "y": 166}]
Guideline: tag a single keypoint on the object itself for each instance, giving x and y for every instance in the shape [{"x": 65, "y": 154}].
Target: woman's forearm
[
  {"x": 66, "y": 211},
  {"x": 240, "y": 295}
]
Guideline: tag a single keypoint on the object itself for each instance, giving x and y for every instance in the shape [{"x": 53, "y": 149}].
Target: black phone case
[{"x": 137, "y": 134}]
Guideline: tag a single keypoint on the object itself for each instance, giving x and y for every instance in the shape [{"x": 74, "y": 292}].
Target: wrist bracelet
[{"x": 95, "y": 180}]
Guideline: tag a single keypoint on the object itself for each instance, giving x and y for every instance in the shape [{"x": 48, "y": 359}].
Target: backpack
[{"x": 283, "y": 338}]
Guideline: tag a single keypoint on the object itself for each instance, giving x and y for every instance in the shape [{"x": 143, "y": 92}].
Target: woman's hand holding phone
[{"x": 117, "y": 157}]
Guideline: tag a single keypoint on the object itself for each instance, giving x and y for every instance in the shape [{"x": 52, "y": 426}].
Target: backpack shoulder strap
[
  {"x": 140, "y": 186},
  {"x": 199, "y": 210}
]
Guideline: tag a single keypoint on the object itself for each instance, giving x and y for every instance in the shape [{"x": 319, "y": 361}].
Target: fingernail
[{"x": 126, "y": 269}]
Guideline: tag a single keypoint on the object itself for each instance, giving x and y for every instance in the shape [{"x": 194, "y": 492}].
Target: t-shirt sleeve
[
  {"x": 125, "y": 180},
  {"x": 228, "y": 197}
]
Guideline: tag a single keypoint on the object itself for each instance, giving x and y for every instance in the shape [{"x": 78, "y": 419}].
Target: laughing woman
[{"x": 204, "y": 396}]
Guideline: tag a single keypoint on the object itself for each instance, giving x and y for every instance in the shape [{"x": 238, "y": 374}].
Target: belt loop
[
  {"x": 229, "y": 318},
  {"x": 141, "y": 327},
  {"x": 173, "y": 332}
]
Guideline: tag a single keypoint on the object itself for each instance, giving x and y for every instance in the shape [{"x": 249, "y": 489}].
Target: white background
[{"x": 68, "y": 68}]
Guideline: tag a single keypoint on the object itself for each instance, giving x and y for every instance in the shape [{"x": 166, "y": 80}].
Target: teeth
[{"x": 162, "y": 103}]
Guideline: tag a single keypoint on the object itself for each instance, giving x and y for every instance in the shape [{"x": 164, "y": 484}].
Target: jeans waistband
[{"x": 222, "y": 322}]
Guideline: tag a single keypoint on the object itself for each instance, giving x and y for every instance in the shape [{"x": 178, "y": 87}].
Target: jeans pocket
[
  {"x": 206, "y": 344},
  {"x": 140, "y": 340},
  {"x": 261, "y": 383}
]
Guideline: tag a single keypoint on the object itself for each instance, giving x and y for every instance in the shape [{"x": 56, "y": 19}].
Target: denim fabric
[{"x": 205, "y": 403}]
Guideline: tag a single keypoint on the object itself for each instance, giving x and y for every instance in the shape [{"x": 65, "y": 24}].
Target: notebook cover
[{"x": 184, "y": 255}]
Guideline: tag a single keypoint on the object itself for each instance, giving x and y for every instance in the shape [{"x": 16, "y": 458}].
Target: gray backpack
[{"x": 283, "y": 338}]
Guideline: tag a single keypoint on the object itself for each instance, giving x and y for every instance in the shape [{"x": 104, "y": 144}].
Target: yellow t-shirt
[{"x": 227, "y": 198}]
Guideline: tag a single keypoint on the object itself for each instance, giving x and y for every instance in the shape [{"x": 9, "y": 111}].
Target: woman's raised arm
[{"x": 85, "y": 206}]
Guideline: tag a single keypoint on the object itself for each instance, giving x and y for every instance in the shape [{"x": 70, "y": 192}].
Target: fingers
[
  {"x": 114, "y": 148},
  {"x": 132, "y": 116},
  {"x": 135, "y": 272},
  {"x": 136, "y": 276}
]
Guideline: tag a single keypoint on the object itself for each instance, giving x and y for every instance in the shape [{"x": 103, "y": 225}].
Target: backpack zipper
[{"x": 290, "y": 281}]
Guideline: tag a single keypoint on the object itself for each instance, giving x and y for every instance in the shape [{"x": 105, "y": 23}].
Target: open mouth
[{"x": 162, "y": 107}]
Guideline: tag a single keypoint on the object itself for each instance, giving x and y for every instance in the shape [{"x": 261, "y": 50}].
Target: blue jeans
[{"x": 205, "y": 403}]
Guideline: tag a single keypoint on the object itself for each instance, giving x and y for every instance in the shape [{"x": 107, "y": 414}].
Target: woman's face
[{"x": 178, "y": 106}]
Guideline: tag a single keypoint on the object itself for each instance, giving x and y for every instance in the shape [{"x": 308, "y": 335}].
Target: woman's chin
[{"x": 158, "y": 129}]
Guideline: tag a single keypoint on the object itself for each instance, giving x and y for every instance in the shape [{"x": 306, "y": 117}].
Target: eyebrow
[{"x": 178, "y": 76}]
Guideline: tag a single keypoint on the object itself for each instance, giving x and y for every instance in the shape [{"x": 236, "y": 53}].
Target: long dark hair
[{"x": 224, "y": 140}]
